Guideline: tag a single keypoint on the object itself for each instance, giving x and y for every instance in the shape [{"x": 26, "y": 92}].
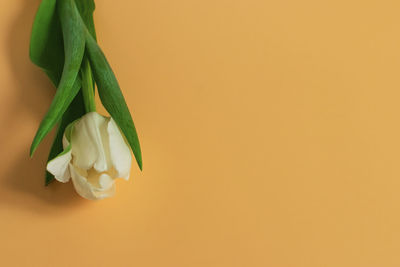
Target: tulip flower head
[{"x": 95, "y": 154}]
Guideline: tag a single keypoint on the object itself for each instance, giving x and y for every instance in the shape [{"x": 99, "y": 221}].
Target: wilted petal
[{"x": 120, "y": 153}]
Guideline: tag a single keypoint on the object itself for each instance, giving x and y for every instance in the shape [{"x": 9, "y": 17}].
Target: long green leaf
[
  {"x": 46, "y": 46},
  {"x": 74, "y": 46},
  {"x": 47, "y": 51},
  {"x": 86, "y": 9},
  {"x": 76, "y": 108},
  {"x": 111, "y": 95}
]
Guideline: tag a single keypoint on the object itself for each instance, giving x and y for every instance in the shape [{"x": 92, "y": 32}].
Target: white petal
[
  {"x": 90, "y": 144},
  {"x": 105, "y": 181},
  {"x": 120, "y": 152},
  {"x": 87, "y": 189},
  {"x": 65, "y": 141},
  {"x": 59, "y": 167}
]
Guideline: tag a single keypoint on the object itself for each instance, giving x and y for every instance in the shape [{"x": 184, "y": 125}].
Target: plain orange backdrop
[{"x": 270, "y": 134}]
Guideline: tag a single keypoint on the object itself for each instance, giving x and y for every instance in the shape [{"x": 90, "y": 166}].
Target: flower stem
[{"x": 87, "y": 86}]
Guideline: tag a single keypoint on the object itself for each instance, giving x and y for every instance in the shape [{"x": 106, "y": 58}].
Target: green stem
[{"x": 87, "y": 86}]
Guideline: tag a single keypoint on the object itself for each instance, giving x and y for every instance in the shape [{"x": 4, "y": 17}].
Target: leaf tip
[
  {"x": 139, "y": 162},
  {"x": 141, "y": 166},
  {"x": 49, "y": 178},
  {"x": 32, "y": 150}
]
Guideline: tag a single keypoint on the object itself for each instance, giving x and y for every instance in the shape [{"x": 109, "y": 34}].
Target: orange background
[{"x": 270, "y": 134}]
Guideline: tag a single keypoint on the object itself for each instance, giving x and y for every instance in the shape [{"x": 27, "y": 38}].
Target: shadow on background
[{"x": 22, "y": 184}]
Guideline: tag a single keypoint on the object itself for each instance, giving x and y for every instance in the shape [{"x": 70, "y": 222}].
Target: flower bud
[{"x": 95, "y": 154}]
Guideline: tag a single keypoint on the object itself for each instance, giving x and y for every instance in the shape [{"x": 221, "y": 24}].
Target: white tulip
[{"x": 95, "y": 154}]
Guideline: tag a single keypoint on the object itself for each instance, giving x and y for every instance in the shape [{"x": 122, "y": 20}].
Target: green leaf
[
  {"x": 47, "y": 51},
  {"x": 111, "y": 95},
  {"x": 46, "y": 46},
  {"x": 74, "y": 46},
  {"x": 74, "y": 112},
  {"x": 76, "y": 109},
  {"x": 86, "y": 9}
]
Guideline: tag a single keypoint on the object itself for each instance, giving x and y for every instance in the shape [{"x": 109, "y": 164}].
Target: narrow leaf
[
  {"x": 76, "y": 108},
  {"x": 74, "y": 46},
  {"x": 46, "y": 46},
  {"x": 86, "y": 9},
  {"x": 111, "y": 95}
]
